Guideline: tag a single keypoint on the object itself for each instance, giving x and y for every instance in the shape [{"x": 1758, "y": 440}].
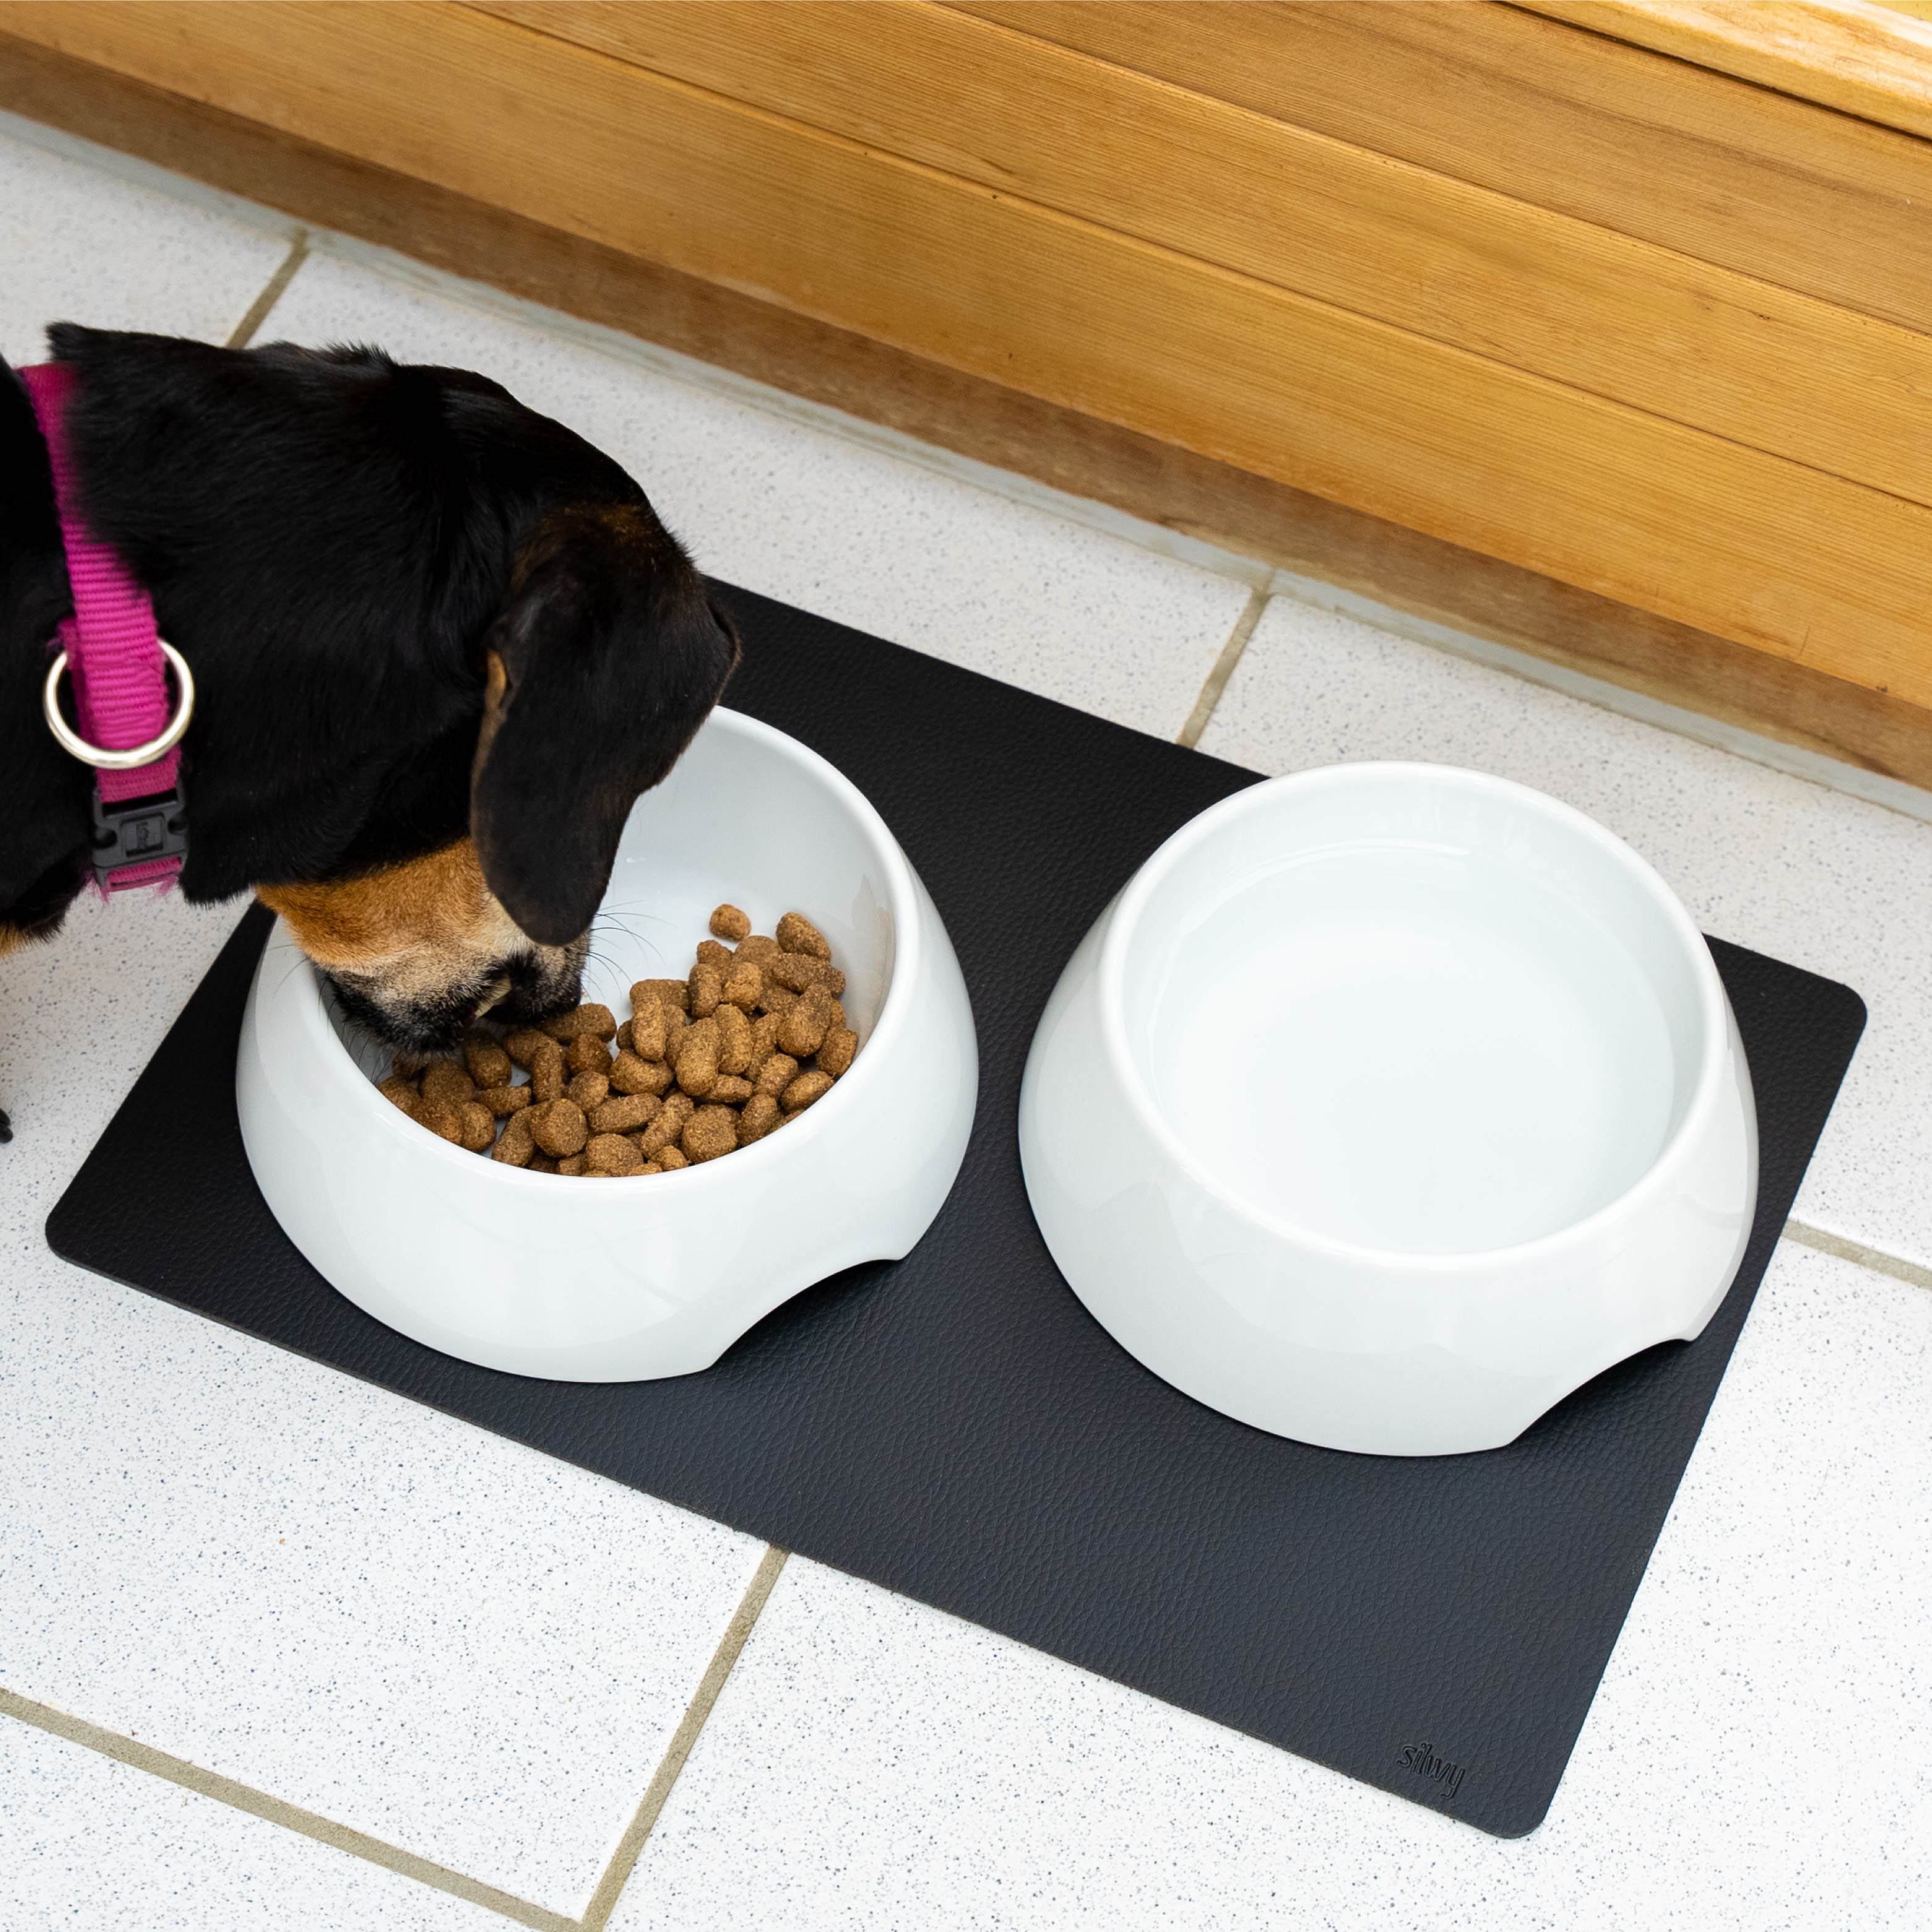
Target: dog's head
[{"x": 441, "y": 643}]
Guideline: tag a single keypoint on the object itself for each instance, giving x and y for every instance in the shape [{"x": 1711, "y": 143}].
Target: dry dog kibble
[
  {"x": 707, "y": 987},
  {"x": 803, "y": 1029},
  {"x": 488, "y": 1064},
  {"x": 797, "y": 933},
  {"x": 710, "y": 1133},
  {"x": 558, "y": 1127},
  {"x": 803, "y": 1091},
  {"x": 611, "y": 1153},
  {"x": 587, "y": 1054},
  {"x": 599, "y": 1021},
  {"x": 744, "y": 985},
  {"x": 836, "y": 1050},
  {"x": 624, "y": 1113},
  {"x": 697, "y": 1058},
  {"x": 752, "y": 1036},
  {"x": 446, "y": 1081},
  {"x": 547, "y": 1072}
]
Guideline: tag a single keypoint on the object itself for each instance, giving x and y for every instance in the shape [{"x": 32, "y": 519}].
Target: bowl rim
[
  {"x": 908, "y": 942},
  {"x": 1714, "y": 1010}
]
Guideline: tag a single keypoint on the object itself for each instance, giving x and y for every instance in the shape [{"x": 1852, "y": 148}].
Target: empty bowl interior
[
  {"x": 749, "y": 817},
  {"x": 1411, "y": 1010}
]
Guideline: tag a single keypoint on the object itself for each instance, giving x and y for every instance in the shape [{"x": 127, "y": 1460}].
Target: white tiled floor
[
  {"x": 84, "y": 1841},
  {"x": 418, "y": 1631}
]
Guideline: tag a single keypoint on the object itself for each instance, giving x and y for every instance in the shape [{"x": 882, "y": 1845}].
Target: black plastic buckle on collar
[{"x": 138, "y": 831}]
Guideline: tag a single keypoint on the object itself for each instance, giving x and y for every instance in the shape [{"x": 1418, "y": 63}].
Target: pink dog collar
[{"x": 115, "y": 657}]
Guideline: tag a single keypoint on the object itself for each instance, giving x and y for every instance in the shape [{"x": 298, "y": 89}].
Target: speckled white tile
[
  {"x": 88, "y": 1845},
  {"x": 80, "y": 245},
  {"x": 1755, "y": 1758},
  {"x": 313, "y": 1586},
  {"x": 1772, "y": 862},
  {"x": 850, "y": 532}
]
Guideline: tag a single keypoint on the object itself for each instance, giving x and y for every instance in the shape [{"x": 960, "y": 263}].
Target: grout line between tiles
[
  {"x": 276, "y": 1811},
  {"x": 1217, "y": 680},
  {"x": 623, "y": 1860},
  {"x": 271, "y": 292},
  {"x": 1876, "y": 1259}
]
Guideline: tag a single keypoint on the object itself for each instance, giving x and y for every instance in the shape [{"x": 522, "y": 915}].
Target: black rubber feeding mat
[{"x": 956, "y": 1426}]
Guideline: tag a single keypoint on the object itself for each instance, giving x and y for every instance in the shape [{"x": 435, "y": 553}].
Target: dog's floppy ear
[{"x": 604, "y": 664}]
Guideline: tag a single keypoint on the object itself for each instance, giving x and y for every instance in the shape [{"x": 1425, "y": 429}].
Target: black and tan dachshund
[{"x": 440, "y": 645}]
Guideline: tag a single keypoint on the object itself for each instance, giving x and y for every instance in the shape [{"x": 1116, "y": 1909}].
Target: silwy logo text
[{"x": 1423, "y": 1759}]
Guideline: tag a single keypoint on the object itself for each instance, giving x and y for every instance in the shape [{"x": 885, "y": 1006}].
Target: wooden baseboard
[{"x": 1254, "y": 516}]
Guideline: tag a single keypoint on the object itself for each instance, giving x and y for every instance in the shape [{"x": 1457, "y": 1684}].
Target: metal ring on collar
[{"x": 135, "y": 755}]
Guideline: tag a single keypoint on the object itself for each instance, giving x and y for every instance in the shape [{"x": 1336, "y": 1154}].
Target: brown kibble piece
[
  {"x": 728, "y": 1090},
  {"x": 728, "y": 922},
  {"x": 547, "y": 1072},
  {"x": 798, "y": 971},
  {"x": 588, "y": 1090},
  {"x": 710, "y": 953},
  {"x": 587, "y": 1054},
  {"x": 744, "y": 985},
  {"x": 630, "y": 1075},
  {"x": 797, "y": 933},
  {"x": 734, "y": 1040},
  {"x": 758, "y": 949},
  {"x": 516, "y": 1146},
  {"x": 671, "y": 1159},
  {"x": 652, "y": 1167},
  {"x": 488, "y": 1064},
  {"x": 558, "y": 1127},
  {"x": 479, "y": 1125},
  {"x": 757, "y": 1118},
  {"x": 666, "y": 1124},
  {"x": 441, "y": 1118},
  {"x": 447, "y": 1081},
  {"x": 805, "y": 1025},
  {"x": 777, "y": 1073},
  {"x": 836, "y": 1049},
  {"x": 506, "y": 1100},
  {"x": 624, "y": 1035},
  {"x": 649, "y": 1030},
  {"x": 541, "y": 1163},
  {"x": 624, "y": 1113},
  {"x": 707, "y": 986},
  {"x": 803, "y": 1091},
  {"x": 400, "y": 1092},
  {"x": 571, "y": 1163},
  {"x": 765, "y": 1037},
  {"x": 610, "y": 1153},
  {"x": 671, "y": 992},
  {"x": 590, "y": 1018},
  {"x": 697, "y": 1058},
  {"x": 710, "y": 1132},
  {"x": 525, "y": 1043},
  {"x": 776, "y": 999}
]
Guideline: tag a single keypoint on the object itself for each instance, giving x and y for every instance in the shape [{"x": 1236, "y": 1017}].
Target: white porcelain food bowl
[
  {"x": 655, "y": 1275},
  {"x": 1388, "y": 1104}
]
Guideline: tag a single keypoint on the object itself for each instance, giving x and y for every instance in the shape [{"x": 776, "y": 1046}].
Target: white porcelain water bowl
[
  {"x": 656, "y": 1275},
  {"x": 1388, "y": 1104}
]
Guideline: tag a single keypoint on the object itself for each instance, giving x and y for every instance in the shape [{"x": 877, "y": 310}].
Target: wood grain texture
[
  {"x": 1779, "y": 189},
  {"x": 1254, "y": 516},
  {"x": 1758, "y": 549},
  {"x": 1783, "y": 372},
  {"x": 1856, "y": 55}
]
